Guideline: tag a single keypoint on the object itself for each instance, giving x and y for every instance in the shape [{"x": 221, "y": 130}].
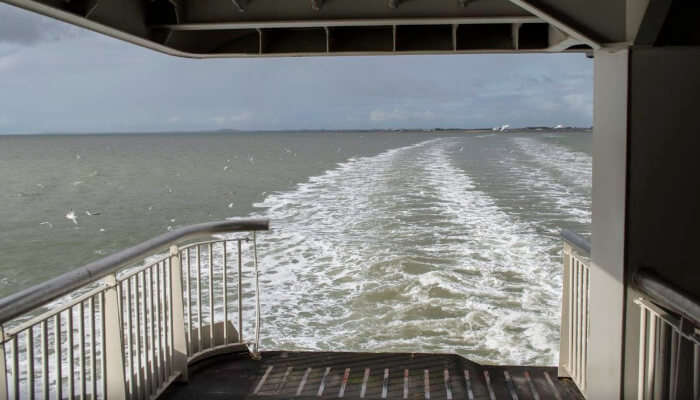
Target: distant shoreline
[{"x": 236, "y": 131}]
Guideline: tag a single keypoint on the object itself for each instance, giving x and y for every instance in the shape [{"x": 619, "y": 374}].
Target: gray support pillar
[{"x": 605, "y": 345}]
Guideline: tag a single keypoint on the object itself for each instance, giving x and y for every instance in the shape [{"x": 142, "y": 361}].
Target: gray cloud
[
  {"x": 92, "y": 83},
  {"x": 21, "y": 27}
]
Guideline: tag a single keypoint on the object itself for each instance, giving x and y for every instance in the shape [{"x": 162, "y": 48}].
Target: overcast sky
[{"x": 58, "y": 78}]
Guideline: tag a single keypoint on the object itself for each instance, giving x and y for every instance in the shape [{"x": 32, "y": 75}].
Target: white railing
[
  {"x": 132, "y": 330},
  {"x": 669, "y": 343},
  {"x": 574, "y": 311}
]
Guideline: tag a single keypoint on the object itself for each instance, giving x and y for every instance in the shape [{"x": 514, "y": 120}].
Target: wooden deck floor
[{"x": 307, "y": 375}]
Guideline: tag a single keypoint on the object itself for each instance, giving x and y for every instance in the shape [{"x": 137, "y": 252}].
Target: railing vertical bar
[
  {"x": 154, "y": 359},
  {"x": 211, "y": 295},
  {"x": 161, "y": 278},
  {"x": 29, "y": 334},
  {"x": 581, "y": 337},
  {"x": 103, "y": 359},
  {"x": 170, "y": 317},
  {"x": 3, "y": 366},
  {"x": 240, "y": 293},
  {"x": 144, "y": 354},
  {"x": 584, "y": 344},
  {"x": 576, "y": 298},
  {"x": 58, "y": 359},
  {"x": 642, "y": 353},
  {"x": 225, "y": 290},
  {"x": 69, "y": 354},
  {"x": 45, "y": 358},
  {"x": 139, "y": 350},
  {"x": 93, "y": 349},
  {"x": 166, "y": 317},
  {"x": 15, "y": 367},
  {"x": 189, "y": 301},
  {"x": 696, "y": 371},
  {"x": 572, "y": 327},
  {"x": 257, "y": 294},
  {"x": 130, "y": 339},
  {"x": 81, "y": 349},
  {"x": 673, "y": 361},
  {"x": 161, "y": 355},
  {"x": 4, "y": 387},
  {"x": 199, "y": 300},
  {"x": 651, "y": 358}
]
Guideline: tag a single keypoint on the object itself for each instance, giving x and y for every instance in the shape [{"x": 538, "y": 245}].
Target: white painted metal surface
[
  {"x": 669, "y": 355},
  {"x": 573, "y": 353},
  {"x": 132, "y": 333}
]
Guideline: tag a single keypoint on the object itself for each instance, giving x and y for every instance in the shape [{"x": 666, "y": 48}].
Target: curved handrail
[
  {"x": 665, "y": 295},
  {"x": 577, "y": 240},
  {"x": 35, "y": 296}
]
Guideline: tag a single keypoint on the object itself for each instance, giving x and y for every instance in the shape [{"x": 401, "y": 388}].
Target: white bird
[
  {"x": 172, "y": 220},
  {"x": 77, "y": 156},
  {"x": 102, "y": 229},
  {"x": 71, "y": 216},
  {"x": 225, "y": 167},
  {"x": 230, "y": 205},
  {"x": 287, "y": 150},
  {"x": 91, "y": 213},
  {"x": 251, "y": 159},
  {"x": 150, "y": 208},
  {"x": 46, "y": 223}
]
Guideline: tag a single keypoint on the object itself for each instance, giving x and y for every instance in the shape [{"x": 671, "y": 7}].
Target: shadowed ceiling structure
[{"x": 231, "y": 28}]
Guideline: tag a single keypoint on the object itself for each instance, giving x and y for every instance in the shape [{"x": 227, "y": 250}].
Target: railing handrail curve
[
  {"x": 577, "y": 240},
  {"x": 667, "y": 296},
  {"x": 37, "y": 295}
]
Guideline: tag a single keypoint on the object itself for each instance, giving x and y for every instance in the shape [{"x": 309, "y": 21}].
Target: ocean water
[{"x": 381, "y": 241}]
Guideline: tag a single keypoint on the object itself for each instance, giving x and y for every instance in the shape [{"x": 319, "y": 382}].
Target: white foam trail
[
  {"x": 401, "y": 251},
  {"x": 575, "y": 166}
]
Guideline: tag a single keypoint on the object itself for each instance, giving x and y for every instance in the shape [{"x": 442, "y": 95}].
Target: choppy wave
[
  {"x": 402, "y": 251},
  {"x": 575, "y": 167}
]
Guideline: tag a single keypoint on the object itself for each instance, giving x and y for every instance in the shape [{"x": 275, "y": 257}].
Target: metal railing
[
  {"x": 127, "y": 326},
  {"x": 573, "y": 347},
  {"x": 669, "y": 342}
]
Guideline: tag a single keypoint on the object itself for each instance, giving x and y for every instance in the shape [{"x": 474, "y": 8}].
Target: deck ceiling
[{"x": 250, "y": 28}]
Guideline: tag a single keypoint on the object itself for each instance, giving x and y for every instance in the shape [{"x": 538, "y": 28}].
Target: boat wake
[{"x": 402, "y": 251}]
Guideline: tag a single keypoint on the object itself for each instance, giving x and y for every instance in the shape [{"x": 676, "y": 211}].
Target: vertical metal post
[
  {"x": 177, "y": 315},
  {"x": 256, "y": 353},
  {"x": 565, "y": 328},
  {"x": 113, "y": 348},
  {"x": 240, "y": 294},
  {"x": 3, "y": 366}
]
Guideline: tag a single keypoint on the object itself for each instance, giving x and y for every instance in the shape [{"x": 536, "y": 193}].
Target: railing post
[
  {"x": 3, "y": 366},
  {"x": 178, "y": 315},
  {"x": 565, "y": 330},
  {"x": 113, "y": 346}
]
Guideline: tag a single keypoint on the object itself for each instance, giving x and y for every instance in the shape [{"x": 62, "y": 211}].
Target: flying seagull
[{"x": 71, "y": 216}]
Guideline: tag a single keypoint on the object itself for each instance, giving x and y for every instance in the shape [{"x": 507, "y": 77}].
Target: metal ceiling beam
[
  {"x": 241, "y": 5},
  {"x": 548, "y": 17},
  {"x": 209, "y": 26}
]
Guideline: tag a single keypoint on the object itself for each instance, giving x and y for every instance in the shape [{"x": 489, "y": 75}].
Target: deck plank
[{"x": 323, "y": 375}]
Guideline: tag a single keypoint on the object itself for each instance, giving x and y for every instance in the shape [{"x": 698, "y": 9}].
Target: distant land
[{"x": 501, "y": 129}]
